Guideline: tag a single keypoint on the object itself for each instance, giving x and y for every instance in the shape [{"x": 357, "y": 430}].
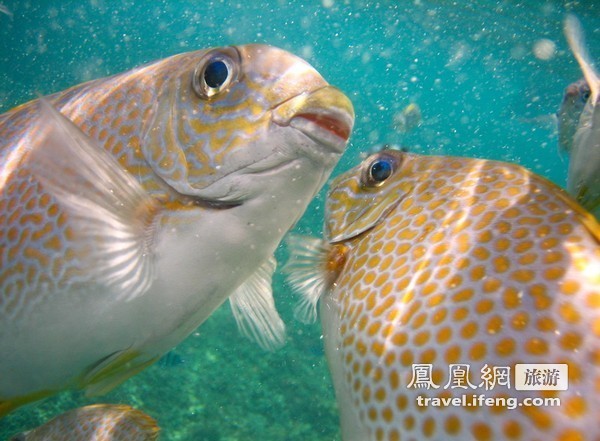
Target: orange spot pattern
[{"x": 492, "y": 266}]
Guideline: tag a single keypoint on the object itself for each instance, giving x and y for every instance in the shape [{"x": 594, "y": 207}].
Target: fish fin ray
[
  {"x": 254, "y": 309},
  {"x": 113, "y": 370},
  {"x": 575, "y": 37},
  {"x": 306, "y": 272},
  {"x": 112, "y": 210}
]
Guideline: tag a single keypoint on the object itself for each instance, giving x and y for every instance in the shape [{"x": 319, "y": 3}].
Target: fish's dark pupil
[
  {"x": 380, "y": 170},
  {"x": 585, "y": 95},
  {"x": 216, "y": 74}
]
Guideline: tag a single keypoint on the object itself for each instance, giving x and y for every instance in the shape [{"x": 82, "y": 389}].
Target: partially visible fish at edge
[
  {"x": 97, "y": 422},
  {"x": 430, "y": 262},
  {"x": 583, "y": 180}
]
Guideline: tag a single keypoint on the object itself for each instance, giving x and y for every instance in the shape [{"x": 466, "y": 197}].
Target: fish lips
[{"x": 325, "y": 115}]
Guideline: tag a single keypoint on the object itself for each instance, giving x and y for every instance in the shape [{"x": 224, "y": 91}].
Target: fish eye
[
  {"x": 585, "y": 95},
  {"x": 379, "y": 170},
  {"x": 214, "y": 73}
]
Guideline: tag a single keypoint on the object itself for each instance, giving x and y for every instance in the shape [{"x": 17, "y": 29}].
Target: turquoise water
[{"x": 487, "y": 77}]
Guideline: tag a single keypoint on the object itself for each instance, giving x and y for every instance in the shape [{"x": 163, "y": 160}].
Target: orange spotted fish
[
  {"x": 583, "y": 180},
  {"x": 436, "y": 263},
  {"x": 98, "y": 422},
  {"x": 133, "y": 206}
]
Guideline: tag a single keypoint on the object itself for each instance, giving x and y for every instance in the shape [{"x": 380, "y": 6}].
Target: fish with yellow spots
[
  {"x": 431, "y": 262},
  {"x": 131, "y": 207},
  {"x": 97, "y": 422}
]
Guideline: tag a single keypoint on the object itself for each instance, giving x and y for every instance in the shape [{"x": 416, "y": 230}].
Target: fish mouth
[{"x": 325, "y": 115}]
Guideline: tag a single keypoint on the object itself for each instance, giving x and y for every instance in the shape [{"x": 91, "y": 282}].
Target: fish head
[
  {"x": 575, "y": 97},
  {"x": 361, "y": 197},
  {"x": 233, "y": 115},
  {"x": 578, "y": 92}
]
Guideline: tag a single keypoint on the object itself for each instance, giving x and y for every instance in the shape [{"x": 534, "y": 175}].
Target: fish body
[
  {"x": 133, "y": 206},
  {"x": 432, "y": 261},
  {"x": 98, "y": 422},
  {"x": 583, "y": 180}
]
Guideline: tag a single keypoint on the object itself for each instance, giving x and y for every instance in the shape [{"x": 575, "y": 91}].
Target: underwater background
[{"x": 487, "y": 75}]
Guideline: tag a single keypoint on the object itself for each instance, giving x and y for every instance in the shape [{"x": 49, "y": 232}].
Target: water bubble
[{"x": 544, "y": 49}]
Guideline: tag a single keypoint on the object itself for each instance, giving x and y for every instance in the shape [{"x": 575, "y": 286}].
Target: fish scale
[{"x": 450, "y": 261}]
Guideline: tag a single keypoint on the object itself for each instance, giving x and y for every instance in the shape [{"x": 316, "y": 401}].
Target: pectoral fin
[
  {"x": 313, "y": 267},
  {"x": 112, "y": 215},
  {"x": 254, "y": 309}
]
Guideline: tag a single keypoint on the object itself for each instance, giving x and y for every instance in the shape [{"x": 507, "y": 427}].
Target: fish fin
[
  {"x": 113, "y": 213},
  {"x": 145, "y": 422},
  {"x": 576, "y": 39},
  {"x": 112, "y": 370},
  {"x": 312, "y": 269},
  {"x": 10, "y": 404},
  {"x": 307, "y": 273},
  {"x": 254, "y": 309}
]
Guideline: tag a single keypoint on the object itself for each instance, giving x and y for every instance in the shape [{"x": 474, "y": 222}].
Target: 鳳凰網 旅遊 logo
[
  {"x": 526, "y": 377},
  {"x": 520, "y": 377}
]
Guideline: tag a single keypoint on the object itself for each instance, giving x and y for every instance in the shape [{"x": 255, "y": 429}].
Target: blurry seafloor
[{"x": 488, "y": 75}]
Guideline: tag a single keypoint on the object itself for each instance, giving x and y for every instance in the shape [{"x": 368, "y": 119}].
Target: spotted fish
[
  {"x": 98, "y": 422},
  {"x": 435, "y": 261},
  {"x": 583, "y": 180},
  {"x": 133, "y": 206}
]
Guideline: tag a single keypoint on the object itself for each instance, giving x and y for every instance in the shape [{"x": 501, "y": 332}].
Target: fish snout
[{"x": 325, "y": 115}]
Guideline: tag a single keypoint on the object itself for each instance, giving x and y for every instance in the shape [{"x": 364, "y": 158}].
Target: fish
[
  {"x": 583, "y": 178},
  {"x": 408, "y": 118},
  {"x": 575, "y": 98},
  {"x": 132, "y": 206},
  {"x": 430, "y": 262},
  {"x": 97, "y": 422}
]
